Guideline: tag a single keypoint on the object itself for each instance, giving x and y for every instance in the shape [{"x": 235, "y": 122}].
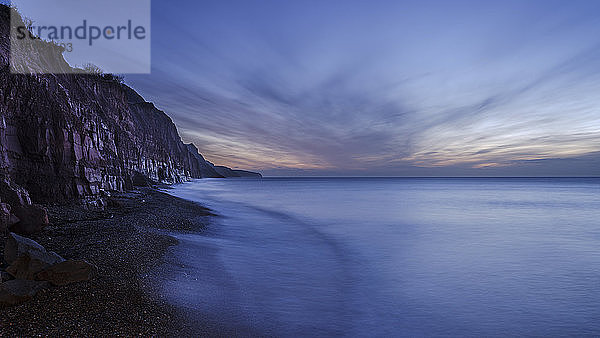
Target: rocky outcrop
[
  {"x": 206, "y": 168},
  {"x": 29, "y": 219},
  {"x": 64, "y": 136},
  {"x": 31, "y": 268},
  {"x": 12, "y": 193},
  {"x": 17, "y": 291},
  {"x": 227, "y": 172},
  {"x": 26, "y": 257}
]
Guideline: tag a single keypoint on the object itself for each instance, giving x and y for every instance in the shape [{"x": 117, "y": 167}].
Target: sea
[{"x": 391, "y": 257}]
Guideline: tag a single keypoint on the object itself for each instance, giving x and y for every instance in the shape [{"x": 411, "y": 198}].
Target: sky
[{"x": 382, "y": 88}]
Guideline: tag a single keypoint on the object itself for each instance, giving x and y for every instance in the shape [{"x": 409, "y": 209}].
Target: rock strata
[{"x": 65, "y": 136}]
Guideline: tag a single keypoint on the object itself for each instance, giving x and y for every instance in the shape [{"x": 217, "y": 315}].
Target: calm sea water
[{"x": 392, "y": 257}]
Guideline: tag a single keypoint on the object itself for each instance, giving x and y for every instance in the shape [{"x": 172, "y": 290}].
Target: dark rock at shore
[
  {"x": 10, "y": 192},
  {"x": 32, "y": 267},
  {"x": 26, "y": 257},
  {"x": 27, "y": 267},
  {"x": 19, "y": 215},
  {"x": 17, "y": 245},
  {"x": 18, "y": 291},
  {"x": 123, "y": 242},
  {"x": 32, "y": 219},
  {"x": 93, "y": 203},
  {"x": 67, "y": 272}
]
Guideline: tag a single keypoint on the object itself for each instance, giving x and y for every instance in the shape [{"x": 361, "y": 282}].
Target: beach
[
  {"x": 327, "y": 257},
  {"x": 299, "y": 169},
  {"x": 125, "y": 241}
]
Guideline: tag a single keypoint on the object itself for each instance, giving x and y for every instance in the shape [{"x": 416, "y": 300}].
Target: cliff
[
  {"x": 64, "y": 136},
  {"x": 227, "y": 172}
]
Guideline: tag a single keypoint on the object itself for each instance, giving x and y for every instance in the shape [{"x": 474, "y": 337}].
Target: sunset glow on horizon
[{"x": 383, "y": 88}]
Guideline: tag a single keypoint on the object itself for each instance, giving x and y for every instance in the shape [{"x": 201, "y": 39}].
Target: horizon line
[{"x": 342, "y": 176}]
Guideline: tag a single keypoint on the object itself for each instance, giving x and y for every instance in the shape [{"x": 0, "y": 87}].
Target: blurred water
[{"x": 399, "y": 257}]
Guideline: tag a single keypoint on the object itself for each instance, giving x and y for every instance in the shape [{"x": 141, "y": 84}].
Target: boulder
[
  {"x": 27, "y": 257},
  {"x": 17, "y": 246},
  {"x": 14, "y": 194},
  {"x": 17, "y": 291},
  {"x": 93, "y": 203},
  {"x": 26, "y": 267},
  {"x": 67, "y": 272},
  {"x": 32, "y": 219}
]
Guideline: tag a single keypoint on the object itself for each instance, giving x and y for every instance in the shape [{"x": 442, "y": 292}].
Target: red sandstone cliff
[{"x": 70, "y": 135}]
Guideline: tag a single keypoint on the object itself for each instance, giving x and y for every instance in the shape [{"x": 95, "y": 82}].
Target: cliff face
[
  {"x": 227, "y": 172},
  {"x": 67, "y": 135}
]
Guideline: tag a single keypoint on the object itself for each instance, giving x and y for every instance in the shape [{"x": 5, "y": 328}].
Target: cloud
[{"x": 453, "y": 89}]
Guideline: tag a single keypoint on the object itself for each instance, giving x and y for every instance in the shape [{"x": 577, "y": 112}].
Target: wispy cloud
[{"x": 381, "y": 88}]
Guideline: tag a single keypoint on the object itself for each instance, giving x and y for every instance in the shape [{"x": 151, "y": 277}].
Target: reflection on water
[{"x": 377, "y": 257}]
